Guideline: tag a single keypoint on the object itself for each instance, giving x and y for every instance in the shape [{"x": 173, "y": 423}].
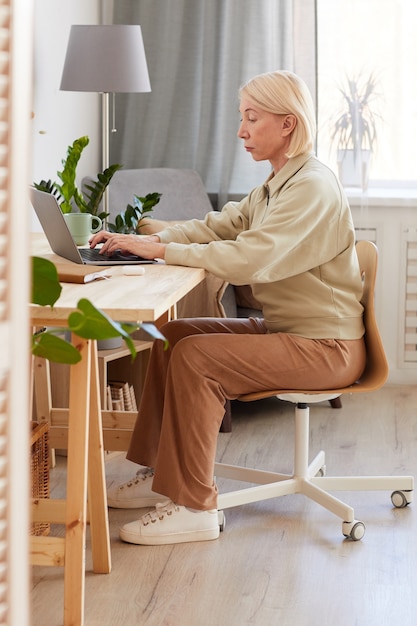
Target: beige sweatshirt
[{"x": 293, "y": 240}]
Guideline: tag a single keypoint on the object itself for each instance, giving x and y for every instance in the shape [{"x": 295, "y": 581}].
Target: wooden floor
[{"x": 278, "y": 563}]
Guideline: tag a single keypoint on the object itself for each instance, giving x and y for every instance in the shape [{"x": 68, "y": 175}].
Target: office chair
[{"x": 310, "y": 479}]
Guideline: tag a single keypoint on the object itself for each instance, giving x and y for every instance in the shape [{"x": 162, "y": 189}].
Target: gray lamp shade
[{"x": 108, "y": 59}]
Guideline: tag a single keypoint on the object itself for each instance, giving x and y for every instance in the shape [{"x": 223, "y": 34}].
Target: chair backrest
[
  {"x": 183, "y": 193},
  {"x": 376, "y": 369}
]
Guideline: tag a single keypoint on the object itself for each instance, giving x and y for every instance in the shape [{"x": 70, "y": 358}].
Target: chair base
[{"x": 307, "y": 480}]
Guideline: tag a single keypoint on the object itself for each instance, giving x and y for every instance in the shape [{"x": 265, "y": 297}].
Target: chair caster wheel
[
  {"x": 222, "y": 520},
  {"x": 400, "y": 499},
  {"x": 353, "y": 530}
]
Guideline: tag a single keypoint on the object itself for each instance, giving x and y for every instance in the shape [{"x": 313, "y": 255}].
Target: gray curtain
[{"x": 199, "y": 52}]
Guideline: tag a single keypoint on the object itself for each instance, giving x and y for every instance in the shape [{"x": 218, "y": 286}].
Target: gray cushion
[{"x": 183, "y": 193}]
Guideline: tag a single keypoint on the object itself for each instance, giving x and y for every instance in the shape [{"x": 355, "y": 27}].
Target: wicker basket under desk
[{"x": 39, "y": 467}]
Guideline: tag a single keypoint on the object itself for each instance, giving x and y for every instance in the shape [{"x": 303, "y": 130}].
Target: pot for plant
[
  {"x": 109, "y": 344},
  {"x": 353, "y": 167},
  {"x": 102, "y": 344}
]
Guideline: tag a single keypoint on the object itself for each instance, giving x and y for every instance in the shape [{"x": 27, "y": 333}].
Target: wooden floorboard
[{"x": 281, "y": 562}]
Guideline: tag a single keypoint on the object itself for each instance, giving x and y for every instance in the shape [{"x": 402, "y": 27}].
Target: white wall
[{"x": 59, "y": 117}]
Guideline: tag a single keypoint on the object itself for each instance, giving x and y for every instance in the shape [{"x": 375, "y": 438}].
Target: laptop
[{"x": 60, "y": 239}]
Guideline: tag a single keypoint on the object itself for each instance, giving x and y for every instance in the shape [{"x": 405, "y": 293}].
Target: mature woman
[{"x": 292, "y": 240}]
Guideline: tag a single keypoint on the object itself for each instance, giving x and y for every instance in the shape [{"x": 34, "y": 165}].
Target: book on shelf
[{"x": 121, "y": 396}]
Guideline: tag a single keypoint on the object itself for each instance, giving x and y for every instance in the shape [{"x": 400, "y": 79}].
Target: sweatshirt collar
[{"x": 275, "y": 181}]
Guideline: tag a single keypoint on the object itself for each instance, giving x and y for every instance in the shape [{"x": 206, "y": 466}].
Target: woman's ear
[{"x": 289, "y": 123}]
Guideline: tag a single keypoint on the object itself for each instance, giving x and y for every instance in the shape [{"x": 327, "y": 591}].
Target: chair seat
[{"x": 309, "y": 398}]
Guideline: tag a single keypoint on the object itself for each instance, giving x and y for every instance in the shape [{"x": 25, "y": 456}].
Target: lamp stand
[{"x": 105, "y": 145}]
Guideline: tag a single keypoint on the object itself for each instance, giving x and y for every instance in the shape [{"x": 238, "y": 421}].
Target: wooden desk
[
  {"x": 124, "y": 298},
  {"x": 151, "y": 298}
]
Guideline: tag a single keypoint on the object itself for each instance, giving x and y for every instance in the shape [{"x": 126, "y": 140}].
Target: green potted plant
[
  {"x": 355, "y": 129},
  {"x": 69, "y": 196},
  {"x": 129, "y": 221},
  {"x": 67, "y": 192}
]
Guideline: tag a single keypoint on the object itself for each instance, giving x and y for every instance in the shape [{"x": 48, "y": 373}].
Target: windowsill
[{"x": 382, "y": 196}]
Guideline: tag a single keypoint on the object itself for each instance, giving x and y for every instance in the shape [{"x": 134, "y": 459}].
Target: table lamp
[{"x": 105, "y": 59}]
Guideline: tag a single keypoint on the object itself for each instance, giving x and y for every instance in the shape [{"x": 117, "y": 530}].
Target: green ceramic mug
[{"x": 82, "y": 226}]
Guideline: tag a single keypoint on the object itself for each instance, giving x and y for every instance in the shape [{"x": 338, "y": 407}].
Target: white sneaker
[
  {"x": 136, "y": 493},
  {"x": 172, "y": 523}
]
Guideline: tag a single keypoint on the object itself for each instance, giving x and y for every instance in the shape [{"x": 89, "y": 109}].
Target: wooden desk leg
[
  {"x": 77, "y": 466},
  {"x": 97, "y": 496},
  {"x": 169, "y": 315}
]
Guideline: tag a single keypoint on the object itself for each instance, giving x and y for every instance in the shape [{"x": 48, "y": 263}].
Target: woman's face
[{"x": 266, "y": 135}]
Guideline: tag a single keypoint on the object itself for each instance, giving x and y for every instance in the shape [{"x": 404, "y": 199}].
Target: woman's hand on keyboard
[{"x": 148, "y": 246}]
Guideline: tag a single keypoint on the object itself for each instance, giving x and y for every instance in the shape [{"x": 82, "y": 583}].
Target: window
[{"x": 363, "y": 38}]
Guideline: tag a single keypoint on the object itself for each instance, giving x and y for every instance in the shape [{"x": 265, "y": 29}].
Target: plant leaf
[
  {"x": 355, "y": 126},
  {"x": 92, "y": 323},
  {"x": 46, "y": 287},
  {"x": 69, "y": 188},
  {"x": 48, "y": 346},
  {"x": 129, "y": 220},
  {"x": 152, "y": 330},
  {"x": 97, "y": 188},
  {"x": 49, "y": 187}
]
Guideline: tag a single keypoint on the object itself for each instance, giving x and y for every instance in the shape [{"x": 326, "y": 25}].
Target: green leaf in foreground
[
  {"x": 92, "y": 323},
  {"x": 46, "y": 288},
  {"x": 49, "y": 346}
]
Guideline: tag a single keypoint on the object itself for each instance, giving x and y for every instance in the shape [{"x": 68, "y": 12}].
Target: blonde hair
[{"x": 283, "y": 92}]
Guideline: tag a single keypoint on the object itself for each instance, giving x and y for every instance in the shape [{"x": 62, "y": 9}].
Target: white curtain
[{"x": 199, "y": 52}]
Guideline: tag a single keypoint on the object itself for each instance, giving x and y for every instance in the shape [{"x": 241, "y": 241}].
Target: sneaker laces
[
  {"x": 140, "y": 476},
  {"x": 158, "y": 513}
]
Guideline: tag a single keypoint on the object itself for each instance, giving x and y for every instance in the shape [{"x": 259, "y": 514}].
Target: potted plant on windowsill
[{"x": 355, "y": 129}]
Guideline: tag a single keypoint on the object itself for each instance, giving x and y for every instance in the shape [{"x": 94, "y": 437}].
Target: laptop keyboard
[{"x": 92, "y": 254}]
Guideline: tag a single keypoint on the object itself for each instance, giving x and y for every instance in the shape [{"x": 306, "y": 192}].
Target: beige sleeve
[{"x": 205, "y": 299}]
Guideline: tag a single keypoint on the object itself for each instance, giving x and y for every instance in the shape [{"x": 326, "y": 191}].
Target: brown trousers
[{"x": 210, "y": 360}]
